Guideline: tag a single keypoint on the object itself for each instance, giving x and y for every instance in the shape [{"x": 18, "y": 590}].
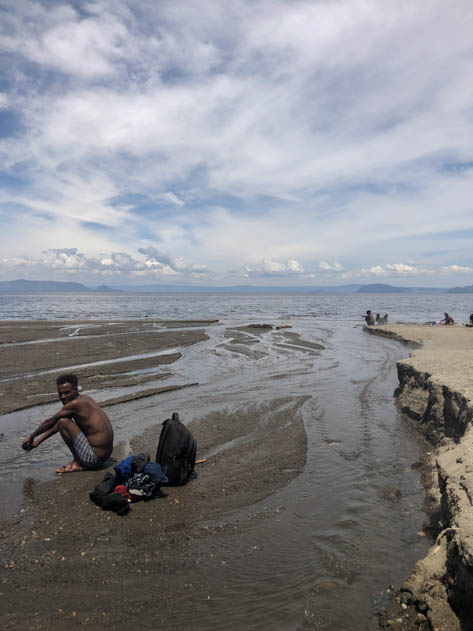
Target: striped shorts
[{"x": 85, "y": 455}]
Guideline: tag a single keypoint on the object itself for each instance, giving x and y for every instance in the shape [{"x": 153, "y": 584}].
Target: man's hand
[{"x": 28, "y": 444}]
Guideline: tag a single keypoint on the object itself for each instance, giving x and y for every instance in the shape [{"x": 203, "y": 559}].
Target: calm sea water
[
  {"x": 341, "y": 307},
  {"x": 350, "y": 523}
]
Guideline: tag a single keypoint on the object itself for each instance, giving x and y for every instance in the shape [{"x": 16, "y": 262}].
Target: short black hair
[{"x": 72, "y": 379}]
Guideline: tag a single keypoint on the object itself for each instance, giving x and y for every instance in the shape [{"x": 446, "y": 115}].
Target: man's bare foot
[{"x": 72, "y": 467}]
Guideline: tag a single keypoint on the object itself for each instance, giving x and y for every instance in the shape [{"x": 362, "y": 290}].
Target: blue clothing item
[
  {"x": 132, "y": 464},
  {"x": 153, "y": 469},
  {"x": 123, "y": 468}
]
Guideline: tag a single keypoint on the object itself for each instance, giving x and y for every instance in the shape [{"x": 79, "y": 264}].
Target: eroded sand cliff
[{"x": 436, "y": 391}]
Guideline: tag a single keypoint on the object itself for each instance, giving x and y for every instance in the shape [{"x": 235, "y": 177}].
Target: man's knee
[{"x": 63, "y": 423}]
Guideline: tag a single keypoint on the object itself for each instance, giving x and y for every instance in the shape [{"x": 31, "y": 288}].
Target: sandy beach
[
  {"x": 436, "y": 392},
  {"x": 65, "y": 562}
]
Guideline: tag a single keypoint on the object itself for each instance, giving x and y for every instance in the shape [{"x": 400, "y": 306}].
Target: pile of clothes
[{"x": 134, "y": 478}]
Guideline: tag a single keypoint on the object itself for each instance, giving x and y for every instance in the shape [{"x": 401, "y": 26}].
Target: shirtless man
[
  {"x": 369, "y": 318},
  {"x": 83, "y": 425}
]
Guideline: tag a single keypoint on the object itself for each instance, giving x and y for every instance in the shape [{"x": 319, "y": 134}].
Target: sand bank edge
[{"x": 440, "y": 587}]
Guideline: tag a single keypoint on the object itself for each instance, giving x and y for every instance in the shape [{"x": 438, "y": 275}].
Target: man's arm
[{"x": 48, "y": 427}]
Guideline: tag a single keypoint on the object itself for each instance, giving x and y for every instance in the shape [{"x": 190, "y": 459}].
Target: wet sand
[
  {"x": 67, "y": 563},
  {"x": 98, "y": 352},
  {"x": 436, "y": 392}
]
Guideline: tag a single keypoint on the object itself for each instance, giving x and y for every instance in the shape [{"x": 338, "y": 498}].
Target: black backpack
[{"x": 176, "y": 451}]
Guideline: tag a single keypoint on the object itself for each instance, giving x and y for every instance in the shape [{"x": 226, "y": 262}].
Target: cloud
[
  {"x": 273, "y": 136},
  {"x": 326, "y": 267},
  {"x": 401, "y": 268},
  {"x": 62, "y": 263},
  {"x": 269, "y": 268},
  {"x": 171, "y": 265},
  {"x": 392, "y": 269},
  {"x": 169, "y": 196},
  {"x": 457, "y": 269}
]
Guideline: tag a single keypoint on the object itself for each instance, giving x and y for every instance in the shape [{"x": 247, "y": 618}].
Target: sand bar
[
  {"x": 103, "y": 354},
  {"x": 436, "y": 391}
]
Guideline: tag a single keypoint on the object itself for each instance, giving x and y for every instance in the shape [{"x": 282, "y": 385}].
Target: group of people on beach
[
  {"x": 83, "y": 425},
  {"x": 371, "y": 320},
  {"x": 449, "y": 320}
]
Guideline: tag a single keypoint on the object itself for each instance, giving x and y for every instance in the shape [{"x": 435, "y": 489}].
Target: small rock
[{"x": 422, "y": 608}]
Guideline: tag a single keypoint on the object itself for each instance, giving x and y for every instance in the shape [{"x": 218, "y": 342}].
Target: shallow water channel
[{"x": 346, "y": 529}]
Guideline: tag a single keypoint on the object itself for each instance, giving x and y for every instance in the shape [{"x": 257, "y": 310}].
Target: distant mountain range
[
  {"x": 51, "y": 286},
  {"x": 461, "y": 290},
  {"x": 379, "y": 288},
  {"x": 239, "y": 289},
  {"x": 47, "y": 286}
]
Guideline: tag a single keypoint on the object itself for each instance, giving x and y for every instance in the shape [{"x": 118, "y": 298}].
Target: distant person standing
[{"x": 369, "y": 318}]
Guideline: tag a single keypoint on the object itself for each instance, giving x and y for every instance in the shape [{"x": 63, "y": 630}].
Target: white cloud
[
  {"x": 170, "y": 264},
  {"x": 170, "y": 196},
  {"x": 393, "y": 270},
  {"x": 269, "y": 268},
  {"x": 327, "y": 267},
  {"x": 400, "y": 268},
  {"x": 457, "y": 269},
  {"x": 376, "y": 270},
  {"x": 334, "y": 137}
]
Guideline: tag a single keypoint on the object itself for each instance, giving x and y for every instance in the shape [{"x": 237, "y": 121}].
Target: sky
[{"x": 251, "y": 142}]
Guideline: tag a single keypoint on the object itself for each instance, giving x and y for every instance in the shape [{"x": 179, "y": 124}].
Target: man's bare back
[{"x": 83, "y": 425}]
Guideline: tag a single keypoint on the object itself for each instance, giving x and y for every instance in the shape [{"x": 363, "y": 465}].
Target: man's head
[{"x": 67, "y": 388}]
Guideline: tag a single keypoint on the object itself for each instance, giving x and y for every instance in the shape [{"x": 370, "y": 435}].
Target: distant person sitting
[
  {"x": 379, "y": 319},
  {"x": 83, "y": 425},
  {"x": 471, "y": 321},
  {"x": 384, "y": 319},
  {"x": 447, "y": 319},
  {"x": 369, "y": 318}
]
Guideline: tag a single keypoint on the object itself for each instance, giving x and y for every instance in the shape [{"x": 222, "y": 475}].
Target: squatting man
[{"x": 83, "y": 425}]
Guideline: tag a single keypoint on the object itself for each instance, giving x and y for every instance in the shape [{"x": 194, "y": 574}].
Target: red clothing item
[{"x": 122, "y": 490}]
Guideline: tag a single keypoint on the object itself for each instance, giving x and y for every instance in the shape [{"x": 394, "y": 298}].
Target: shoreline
[{"x": 435, "y": 391}]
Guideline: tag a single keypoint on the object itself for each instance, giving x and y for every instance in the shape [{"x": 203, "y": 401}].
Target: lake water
[
  {"x": 350, "y": 524},
  {"x": 229, "y": 306}
]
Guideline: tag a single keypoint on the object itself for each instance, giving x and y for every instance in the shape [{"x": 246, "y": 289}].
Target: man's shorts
[{"x": 85, "y": 455}]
